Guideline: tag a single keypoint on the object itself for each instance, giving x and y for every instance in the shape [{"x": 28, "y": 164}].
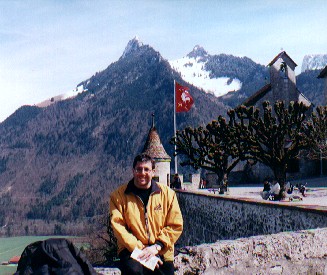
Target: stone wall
[
  {"x": 302, "y": 252},
  {"x": 287, "y": 253},
  {"x": 238, "y": 236},
  {"x": 208, "y": 218}
]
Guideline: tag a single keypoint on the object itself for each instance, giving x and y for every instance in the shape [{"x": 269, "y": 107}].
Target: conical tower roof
[{"x": 153, "y": 146}]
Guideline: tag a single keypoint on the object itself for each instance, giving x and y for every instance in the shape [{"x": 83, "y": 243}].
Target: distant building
[
  {"x": 282, "y": 84},
  {"x": 154, "y": 148},
  {"x": 283, "y": 87},
  {"x": 14, "y": 260}
]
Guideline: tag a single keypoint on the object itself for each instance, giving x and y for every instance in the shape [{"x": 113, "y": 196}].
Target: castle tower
[
  {"x": 154, "y": 148},
  {"x": 282, "y": 84},
  {"x": 282, "y": 78}
]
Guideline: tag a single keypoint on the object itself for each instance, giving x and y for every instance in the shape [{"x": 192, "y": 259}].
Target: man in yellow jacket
[{"x": 145, "y": 215}]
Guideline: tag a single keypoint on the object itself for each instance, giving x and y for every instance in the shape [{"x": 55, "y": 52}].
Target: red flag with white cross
[{"x": 184, "y": 100}]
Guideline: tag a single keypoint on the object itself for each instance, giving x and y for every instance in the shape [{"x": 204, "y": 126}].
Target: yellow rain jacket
[{"x": 134, "y": 226}]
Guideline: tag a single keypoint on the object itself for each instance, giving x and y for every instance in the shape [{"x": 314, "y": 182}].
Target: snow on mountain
[
  {"x": 314, "y": 62},
  {"x": 69, "y": 94},
  {"x": 192, "y": 70}
]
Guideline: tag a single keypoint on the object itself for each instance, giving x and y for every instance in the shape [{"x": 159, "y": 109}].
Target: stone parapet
[
  {"x": 301, "y": 252},
  {"x": 208, "y": 218}
]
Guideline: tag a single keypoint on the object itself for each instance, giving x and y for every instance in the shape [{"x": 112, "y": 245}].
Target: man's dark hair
[{"x": 144, "y": 158}]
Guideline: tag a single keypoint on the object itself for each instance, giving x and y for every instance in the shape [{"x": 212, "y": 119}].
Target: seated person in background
[
  {"x": 266, "y": 190},
  {"x": 289, "y": 188},
  {"x": 176, "y": 184},
  {"x": 224, "y": 185},
  {"x": 275, "y": 189},
  {"x": 301, "y": 188}
]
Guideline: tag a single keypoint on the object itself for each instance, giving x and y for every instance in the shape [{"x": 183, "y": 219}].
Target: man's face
[{"x": 143, "y": 174}]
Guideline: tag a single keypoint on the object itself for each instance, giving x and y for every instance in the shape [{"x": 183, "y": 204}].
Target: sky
[{"x": 48, "y": 47}]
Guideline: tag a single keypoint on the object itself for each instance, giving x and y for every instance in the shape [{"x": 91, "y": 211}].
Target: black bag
[{"x": 53, "y": 256}]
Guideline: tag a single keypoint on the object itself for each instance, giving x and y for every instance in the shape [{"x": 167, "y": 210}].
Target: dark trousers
[{"x": 130, "y": 266}]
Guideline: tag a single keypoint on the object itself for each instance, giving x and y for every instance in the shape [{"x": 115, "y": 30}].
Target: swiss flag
[{"x": 184, "y": 100}]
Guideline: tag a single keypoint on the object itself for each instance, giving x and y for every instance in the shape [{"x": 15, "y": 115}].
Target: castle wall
[
  {"x": 208, "y": 218},
  {"x": 190, "y": 184},
  {"x": 194, "y": 183},
  {"x": 162, "y": 171}
]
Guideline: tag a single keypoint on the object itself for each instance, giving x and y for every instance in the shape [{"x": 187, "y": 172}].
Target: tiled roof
[
  {"x": 257, "y": 96},
  {"x": 252, "y": 100},
  {"x": 304, "y": 99},
  {"x": 14, "y": 259},
  {"x": 280, "y": 55},
  {"x": 153, "y": 146}
]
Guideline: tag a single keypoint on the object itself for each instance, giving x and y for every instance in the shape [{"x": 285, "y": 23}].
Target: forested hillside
[{"x": 59, "y": 164}]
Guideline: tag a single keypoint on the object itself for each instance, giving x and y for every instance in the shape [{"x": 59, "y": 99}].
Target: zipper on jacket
[
  {"x": 147, "y": 228},
  {"x": 147, "y": 224},
  {"x": 145, "y": 218}
]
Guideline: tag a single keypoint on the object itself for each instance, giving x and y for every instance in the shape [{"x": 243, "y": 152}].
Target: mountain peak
[
  {"x": 314, "y": 62},
  {"x": 132, "y": 46},
  {"x": 198, "y": 51}
]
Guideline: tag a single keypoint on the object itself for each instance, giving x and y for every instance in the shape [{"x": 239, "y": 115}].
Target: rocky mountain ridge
[
  {"x": 218, "y": 74},
  {"x": 228, "y": 77},
  {"x": 233, "y": 79},
  {"x": 314, "y": 62}
]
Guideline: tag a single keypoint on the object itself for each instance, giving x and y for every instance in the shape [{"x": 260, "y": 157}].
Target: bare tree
[
  {"x": 317, "y": 127},
  {"x": 211, "y": 148},
  {"x": 103, "y": 244},
  {"x": 273, "y": 138}
]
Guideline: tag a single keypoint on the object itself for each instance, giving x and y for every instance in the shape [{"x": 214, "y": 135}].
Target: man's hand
[
  {"x": 158, "y": 264},
  {"x": 148, "y": 252}
]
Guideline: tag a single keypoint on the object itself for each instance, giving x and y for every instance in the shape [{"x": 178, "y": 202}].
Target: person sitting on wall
[
  {"x": 224, "y": 185},
  {"x": 266, "y": 190},
  {"x": 275, "y": 189},
  {"x": 176, "y": 184},
  {"x": 289, "y": 188},
  {"x": 145, "y": 217},
  {"x": 301, "y": 188}
]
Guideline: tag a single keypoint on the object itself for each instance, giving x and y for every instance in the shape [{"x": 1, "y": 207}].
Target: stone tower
[
  {"x": 154, "y": 148},
  {"x": 282, "y": 84},
  {"x": 282, "y": 79}
]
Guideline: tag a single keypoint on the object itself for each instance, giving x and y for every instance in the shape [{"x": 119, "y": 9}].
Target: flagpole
[{"x": 175, "y": 125}]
